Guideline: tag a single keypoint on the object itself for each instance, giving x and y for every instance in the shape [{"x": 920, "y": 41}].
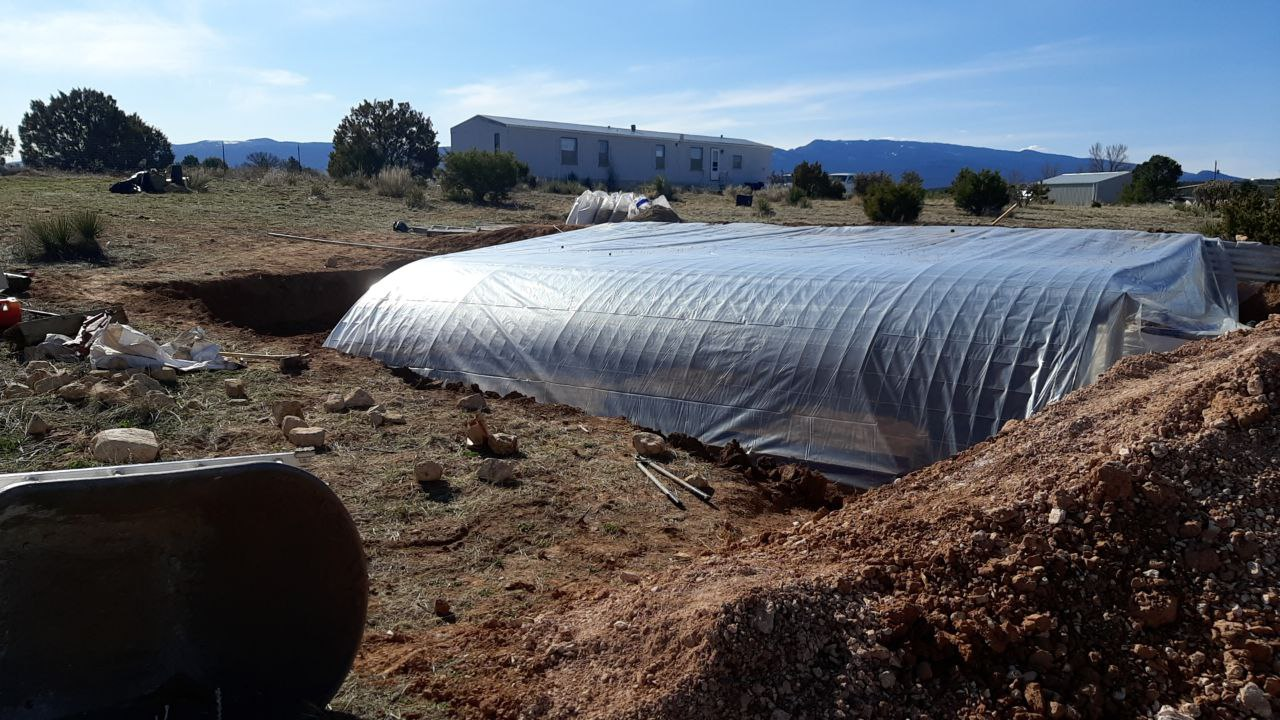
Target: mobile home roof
[{"x": 600, "y": 130}]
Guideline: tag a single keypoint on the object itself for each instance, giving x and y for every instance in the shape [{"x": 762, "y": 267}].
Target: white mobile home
[
  {"x": 1087, "y": 188},
  {"x": 558, "y": 150}
]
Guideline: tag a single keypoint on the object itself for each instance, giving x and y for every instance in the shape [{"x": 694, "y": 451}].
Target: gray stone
[
  {"x": 234, "y": 388},
  {"x": 888, "y": 679},
  {"x": 120, "y": 446},
  {"x": 307, "y": 436},
  {"x": 1255, "y": 701},
  {"x": 334, "y": 403},
  {"x": 289, "y": 422},
  {"x": 157, "y": 401},
  {"x": 74, "y": 391},
  {"x": 50, "y": 383},
  {"x": 473, "y": 403},
  {"x": 358, "y": 399},
  {"x": 649, "y": 445},
  {"x": 428, "y": 471},
  {"x": 496, "y": 471},
  {"x": 141, "y": 384},
  {"x": 166, "y": 374},
  {"x": 107, "y": 394}
]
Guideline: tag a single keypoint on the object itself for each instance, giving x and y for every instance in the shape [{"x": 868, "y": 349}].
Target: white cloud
[
  {"x": 286, "y": 78},
  {"x": 92, "y": 41}
]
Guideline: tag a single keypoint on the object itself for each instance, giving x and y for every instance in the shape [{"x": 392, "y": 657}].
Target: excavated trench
[{"x": 292, "y": 304}]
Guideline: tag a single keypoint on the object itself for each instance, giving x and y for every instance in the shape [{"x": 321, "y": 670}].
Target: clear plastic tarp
[{"x": 868, "y": 350}]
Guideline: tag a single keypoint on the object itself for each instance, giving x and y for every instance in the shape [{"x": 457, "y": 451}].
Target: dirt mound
[
  {"x": 471, "y": 241},
  {"x": 1113, "y": 556}
]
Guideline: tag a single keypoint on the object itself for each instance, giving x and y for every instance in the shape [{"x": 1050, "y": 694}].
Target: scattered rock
[
  {"x": 441, "y": 607},
  {"x": 166, "y": 374},
  {"x": 140, "y": 384},
  {"x": 1057, "y": 515},
  {"x": 473, "y": 403},
  {"x": 289, "y": 422},
  {"x": 701, "y": 482},
  {"x": 629, "y": 577},
  {"x": 156, "y": 401},
  {"x": 476, "y": 432},
  {"x": 649, "y": 444},
  {"x": 50, "y": 383},
  {"x": 307, "y": 436},
  {"x": 107, "y": 394},
  {"x": 1255, "y": 701},
  {"x": 496, "y": 471},
  {"x": 503, "y": 444},
  {"x": 36, "y": 425},
  {"x": 334, "y": 403},
  {"x": 887, "y": 679},
  {"x": 73, "y": 391},
  {"x": 120, "y": 446},
  {"x": 428, "y": 471},
  {"x": 281, "y": 409},
  {"x": 234, "y": 388},
  {"x": 358, "y": 399},
  {"x": 15, "y": 390}
]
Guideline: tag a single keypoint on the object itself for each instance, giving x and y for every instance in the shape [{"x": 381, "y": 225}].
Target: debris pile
[{"x": 1113, "y": 556}]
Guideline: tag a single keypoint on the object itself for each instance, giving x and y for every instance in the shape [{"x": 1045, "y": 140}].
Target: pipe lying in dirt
[{"x": 373, "y": 246}]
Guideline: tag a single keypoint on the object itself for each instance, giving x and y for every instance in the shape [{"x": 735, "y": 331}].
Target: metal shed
[{"x": 1088, "y": 188}]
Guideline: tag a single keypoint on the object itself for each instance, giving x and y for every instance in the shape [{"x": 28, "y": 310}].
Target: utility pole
[
  {"x": 1215, "y": 169},
  {"x": 224, "y": 153}
]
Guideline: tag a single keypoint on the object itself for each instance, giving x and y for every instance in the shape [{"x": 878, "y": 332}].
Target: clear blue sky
[{"x": 1197, "y": 81}]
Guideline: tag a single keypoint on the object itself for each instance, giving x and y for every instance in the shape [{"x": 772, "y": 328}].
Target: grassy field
[{"x": 139, "y": 225}]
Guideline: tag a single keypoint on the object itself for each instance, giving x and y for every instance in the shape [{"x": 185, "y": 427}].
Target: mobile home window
[
  {"x": 497, "y": 142},
  {"x": 568, "y": 151},
  {"x": 695, "y": 159},
  {"x": 603, "y": 160},
  {"x": 660, "y": 157},
  {"x": 737, "y": 162}
]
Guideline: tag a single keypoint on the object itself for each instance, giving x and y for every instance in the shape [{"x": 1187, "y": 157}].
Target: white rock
[
  {"x": 358, "y": 399},
  {"x": 307, "y": 436},
  {"x": 1057, "y": 515},
  {"x": 428, "y": 471},
  {"x": 120, "y": 446},
  {"x": 496, "y": 471},
  {"x": 649, "y": 444},
  {"x": 473, "y": 403}
]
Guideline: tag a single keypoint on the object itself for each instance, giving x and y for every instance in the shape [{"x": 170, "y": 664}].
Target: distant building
[
  {"x": 558, "y": 150},
  {"x": 1088, "y": 188}
]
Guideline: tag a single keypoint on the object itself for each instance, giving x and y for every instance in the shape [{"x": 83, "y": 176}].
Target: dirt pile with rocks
[{"x": 1112, "y": 556}]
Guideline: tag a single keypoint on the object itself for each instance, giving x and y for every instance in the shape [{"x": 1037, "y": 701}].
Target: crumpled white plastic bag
[{"x": 117, "y": 347}]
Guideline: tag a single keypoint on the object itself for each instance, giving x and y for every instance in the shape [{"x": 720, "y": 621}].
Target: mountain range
[{"x": 937, "y": 163}]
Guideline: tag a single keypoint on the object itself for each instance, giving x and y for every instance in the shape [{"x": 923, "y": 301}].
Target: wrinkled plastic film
[{"x": 873, "y": 349}]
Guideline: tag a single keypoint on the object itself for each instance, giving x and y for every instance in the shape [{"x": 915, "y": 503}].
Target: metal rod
[
  {"x": 659, "y": 467},
  {"x": 373, "y": 246},
  {"x": 670, "y": 495}
]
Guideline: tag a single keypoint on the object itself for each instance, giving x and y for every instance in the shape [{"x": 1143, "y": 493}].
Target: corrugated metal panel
[
  {"x": 1081, "y": 194},
  {"x": 1078, "y": 178},
  {"x": 1250, "y": 261}
]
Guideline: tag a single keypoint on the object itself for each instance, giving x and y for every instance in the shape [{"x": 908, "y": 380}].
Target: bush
[
  {"x": 67, "y": 237},
  {"x": 189, "y": 161},
  {"x": 1213, "y": 193},
  {"x": 262, "y": 160},
  {"x": 887, "y": 201},
  {"x": 6, "y": 144},
  {"x": 662, "y": 186},
  {"x": 198, "y": 179},
  {"x": 862, "y": 182},
  {"x": 213, "y": 163},
  {"x": 319, "y": 191},
  {"x": 562, "y": 187},
  {"x": 1153, "y": 181},
  {"x": 795, "y": 195},
  {"x": 480, "y": 176},
  {"x": 1250, "y": 213},
  {"x": 86, "y": 130},
  {"x": 814, "y": 182},
  {"x": 393, "y": 182},
  {"x": 911, "y": 177},
  {"x": 357, "y": 181},
  {"x": 382, "y": 134},
  {"x": 980, "y": 193},
  {"x": 763, "y": 207},
  {"x": 416, "y": 198}
]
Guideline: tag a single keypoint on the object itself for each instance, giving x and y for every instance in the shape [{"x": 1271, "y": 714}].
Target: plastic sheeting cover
[{"x": 872, "y": 349}]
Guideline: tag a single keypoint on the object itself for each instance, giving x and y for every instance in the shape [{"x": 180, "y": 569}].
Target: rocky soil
[{"x": 1113, "y": 556}]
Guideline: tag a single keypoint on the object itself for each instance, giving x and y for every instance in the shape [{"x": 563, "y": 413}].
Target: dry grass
[{"x": 394, "y": 182}]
